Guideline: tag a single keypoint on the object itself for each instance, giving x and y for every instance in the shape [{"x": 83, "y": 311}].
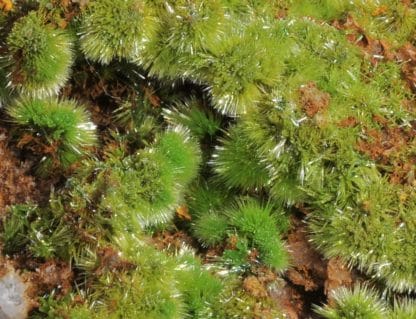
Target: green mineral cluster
[{"x": 217, "y": 118}]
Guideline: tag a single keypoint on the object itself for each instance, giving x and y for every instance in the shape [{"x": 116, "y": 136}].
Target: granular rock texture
[
  {"x": 308, "y": 267},
  {"x": 15, "y": 185},
  {"x": 15, "y": 300}
]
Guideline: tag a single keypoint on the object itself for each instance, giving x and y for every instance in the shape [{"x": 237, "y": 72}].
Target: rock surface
[{"x": 14, "y": 300}]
